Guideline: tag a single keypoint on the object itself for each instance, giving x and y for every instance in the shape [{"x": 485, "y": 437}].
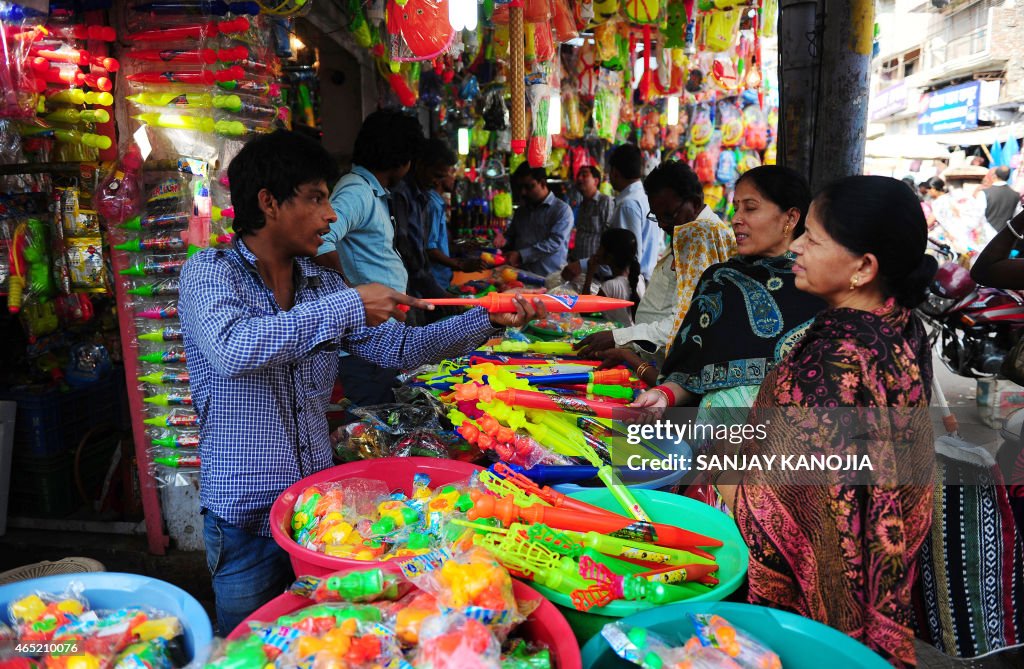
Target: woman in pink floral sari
[{"x": 844, "y": 553}]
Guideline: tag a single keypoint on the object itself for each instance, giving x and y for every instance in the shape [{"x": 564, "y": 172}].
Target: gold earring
[
  {"x": 785, "y": 229},
  {"x": 854, "y": 281}
]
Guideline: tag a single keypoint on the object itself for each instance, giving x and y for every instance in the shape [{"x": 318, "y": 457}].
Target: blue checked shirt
[{"x": 261, "y": 377}]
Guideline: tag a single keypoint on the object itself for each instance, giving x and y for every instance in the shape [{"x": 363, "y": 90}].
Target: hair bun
[{"x": 913, "y": 289}]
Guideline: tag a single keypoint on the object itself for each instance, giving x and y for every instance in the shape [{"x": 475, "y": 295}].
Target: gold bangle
[{"x": 641, "y": 369}]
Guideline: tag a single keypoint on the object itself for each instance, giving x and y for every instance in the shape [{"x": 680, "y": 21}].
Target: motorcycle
[{"x": 972, "y": 327}]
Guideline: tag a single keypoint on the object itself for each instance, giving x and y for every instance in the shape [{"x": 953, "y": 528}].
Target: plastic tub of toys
[{"x": 396, "y": 473}]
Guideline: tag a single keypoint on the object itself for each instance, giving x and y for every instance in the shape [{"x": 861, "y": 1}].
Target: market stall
[{"x": 488, "y": 517}]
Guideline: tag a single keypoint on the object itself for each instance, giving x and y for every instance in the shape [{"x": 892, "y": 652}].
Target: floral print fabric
[{"x": 845, "y": 555}]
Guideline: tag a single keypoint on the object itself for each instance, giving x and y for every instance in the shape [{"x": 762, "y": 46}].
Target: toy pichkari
[{"x": 423, "y": 25}]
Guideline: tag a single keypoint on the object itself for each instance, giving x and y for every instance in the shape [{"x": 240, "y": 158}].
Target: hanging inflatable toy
[
  {"x": 719, "y": 28},
  {"x": 674, "y": 30},
  {"x": 755, "y": 137},
  {"x": 587, "y": 70},
  {"x": 732, "y": 124},
  {"x": 748, "y": 161},
  {"x": 605, "y": 10},
  {"x": 562, "y": 22},
  {"x": 422, "y": 26}
]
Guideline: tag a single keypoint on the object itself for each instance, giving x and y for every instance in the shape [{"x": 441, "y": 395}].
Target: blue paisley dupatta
[{"x": 746, "y": 314}]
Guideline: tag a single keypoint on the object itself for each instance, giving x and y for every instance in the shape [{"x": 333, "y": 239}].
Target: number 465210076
[{"x": 47, "y": 648}]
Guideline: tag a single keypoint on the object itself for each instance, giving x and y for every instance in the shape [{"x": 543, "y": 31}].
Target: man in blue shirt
[
  {"x": 262, "y": 325},
  {"x": 362, "y": 243},
  {"x": 442, "y": 265},
  {"x": 537, "y": 239},
  {"x": 412, "y": 206},
  {"x": 631, "y": 207}
]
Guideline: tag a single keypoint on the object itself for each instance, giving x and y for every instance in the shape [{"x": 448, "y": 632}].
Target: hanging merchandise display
[{"x": 116, "y": 139}]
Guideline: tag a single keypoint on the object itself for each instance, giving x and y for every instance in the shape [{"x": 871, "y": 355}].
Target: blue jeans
[{"x": 248, "y": 571}]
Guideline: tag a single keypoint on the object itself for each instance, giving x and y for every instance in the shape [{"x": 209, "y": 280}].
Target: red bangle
[{"x": 667, "y": 392}]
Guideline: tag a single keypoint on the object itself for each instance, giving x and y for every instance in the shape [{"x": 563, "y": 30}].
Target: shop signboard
[{"x": 950, "y": 109}]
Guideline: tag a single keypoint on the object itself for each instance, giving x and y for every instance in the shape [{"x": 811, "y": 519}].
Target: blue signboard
[{"x": 950, "y": 109}]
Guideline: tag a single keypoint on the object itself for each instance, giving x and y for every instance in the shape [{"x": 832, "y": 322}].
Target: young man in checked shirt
[{"x": 262, "y": 325}]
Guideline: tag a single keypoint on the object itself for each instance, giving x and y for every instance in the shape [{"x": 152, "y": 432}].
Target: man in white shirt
[{"x": 700, "y": 239}]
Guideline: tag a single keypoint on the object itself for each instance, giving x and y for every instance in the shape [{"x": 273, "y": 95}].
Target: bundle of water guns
[
  {"x": 716, "y": 644},
  {"x": 592, "y": 555},
  {"x": 535, "y": 410},
  {"x": 443, "y": 612},
  {"x": 200, "y": 69},
  {"x": 152, "y": 233},
  {"x": 362, "y": 520},
  {"x": 126, "y": 638},
  {"x": 56, "y": 88}
]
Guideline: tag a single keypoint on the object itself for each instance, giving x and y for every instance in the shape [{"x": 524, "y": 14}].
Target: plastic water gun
[
  {"x": 152, "y": 244},
  {"x": 499, "y": 303},
  {"x": 609, "y": 586},
  {"x": 19, "y": 268},
  {"x": 82, "y": 32},
  {"x": 537, "y": 562},
  {"x": 153, "y": 267},
  {"x": 536, "y": 400},
  {"x": 542, "y": 347},
  {"x": 158, "y": 314},
  {"x": 164, "y": 335},
  {"x": 170, "y": 399},
  {"x": 164, "y": 378},
  {"x": 614, "y": 546},
  {"x": 84, "y": 138},
  {"x": 177, "y": 441},
  {"x": 195, "y": 56},
  {"x": 174, "y": 419},
  {"x": 76, "y": 96},
  {"x": 176, "y": 357},
  {"x": 506, "y": 511},
  {"x": 158, "y": 289},
  {"x": 178, "y": 461},
  {"x": 201, "y": 7},
  {"x": 195, "y": 31},
  {"x": 605, "y": 376},
  {"x": 364, "y": 585},
  {"x": 199, "y": 77},
  {"x": 76, "y": 116}
]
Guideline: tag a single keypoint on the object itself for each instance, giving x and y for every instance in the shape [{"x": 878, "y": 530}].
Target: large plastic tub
[
  {"x": 545, "y": 626},
  {"x": 397, "y": 473},
  {"x": 668, "y": 509},
  {"x": 111, "y": 590},
  {"x": 800, "y": 643}
]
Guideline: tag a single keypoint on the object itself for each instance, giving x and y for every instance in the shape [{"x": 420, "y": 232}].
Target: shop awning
[
  {"x": 911, "y": 147},
  {"x": 981, "y": 136}
]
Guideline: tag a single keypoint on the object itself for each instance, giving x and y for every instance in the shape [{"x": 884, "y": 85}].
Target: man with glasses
[
  {"x": 699, "y": 240},
  {"x": 537, "y": 239}
]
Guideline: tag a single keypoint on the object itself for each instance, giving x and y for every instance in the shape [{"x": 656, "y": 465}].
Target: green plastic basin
[{"x": 668, "y": 509}]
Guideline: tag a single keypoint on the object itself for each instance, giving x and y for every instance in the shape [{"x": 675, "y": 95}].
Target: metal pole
[
  {"x": 842, "y": 101},
  {"x": 799, "y": 66}
]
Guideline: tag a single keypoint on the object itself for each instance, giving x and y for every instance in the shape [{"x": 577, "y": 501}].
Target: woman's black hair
[
  {"x": 621, "y": 251},
  {"x": 675, "y": 176},
  {"x": 782, "y": 186},
  {"x": 280, "y": 162},
  {"x": 937, "y": 183},
  {"x": 386, "y": 140},
  {"x": 879, "y": 215}
]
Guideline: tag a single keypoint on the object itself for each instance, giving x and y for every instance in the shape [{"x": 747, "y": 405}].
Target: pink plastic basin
[
  {"x": 546, "y": 626},
  {"x": 396, "y": 473}
]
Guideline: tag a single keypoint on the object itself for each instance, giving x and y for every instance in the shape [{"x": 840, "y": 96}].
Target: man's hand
[
  {"x": 593, "y": 344},
  {"x": 618, "y": 356},
  {"x": 470, "y": 264},
  {"x": 525, "y": 312},
  {"x": 382, "y": 303},
  {"x": 499, "y": 240},
  {"x": 513, "y": 258},
  {"x": 572, "y": 270}
]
